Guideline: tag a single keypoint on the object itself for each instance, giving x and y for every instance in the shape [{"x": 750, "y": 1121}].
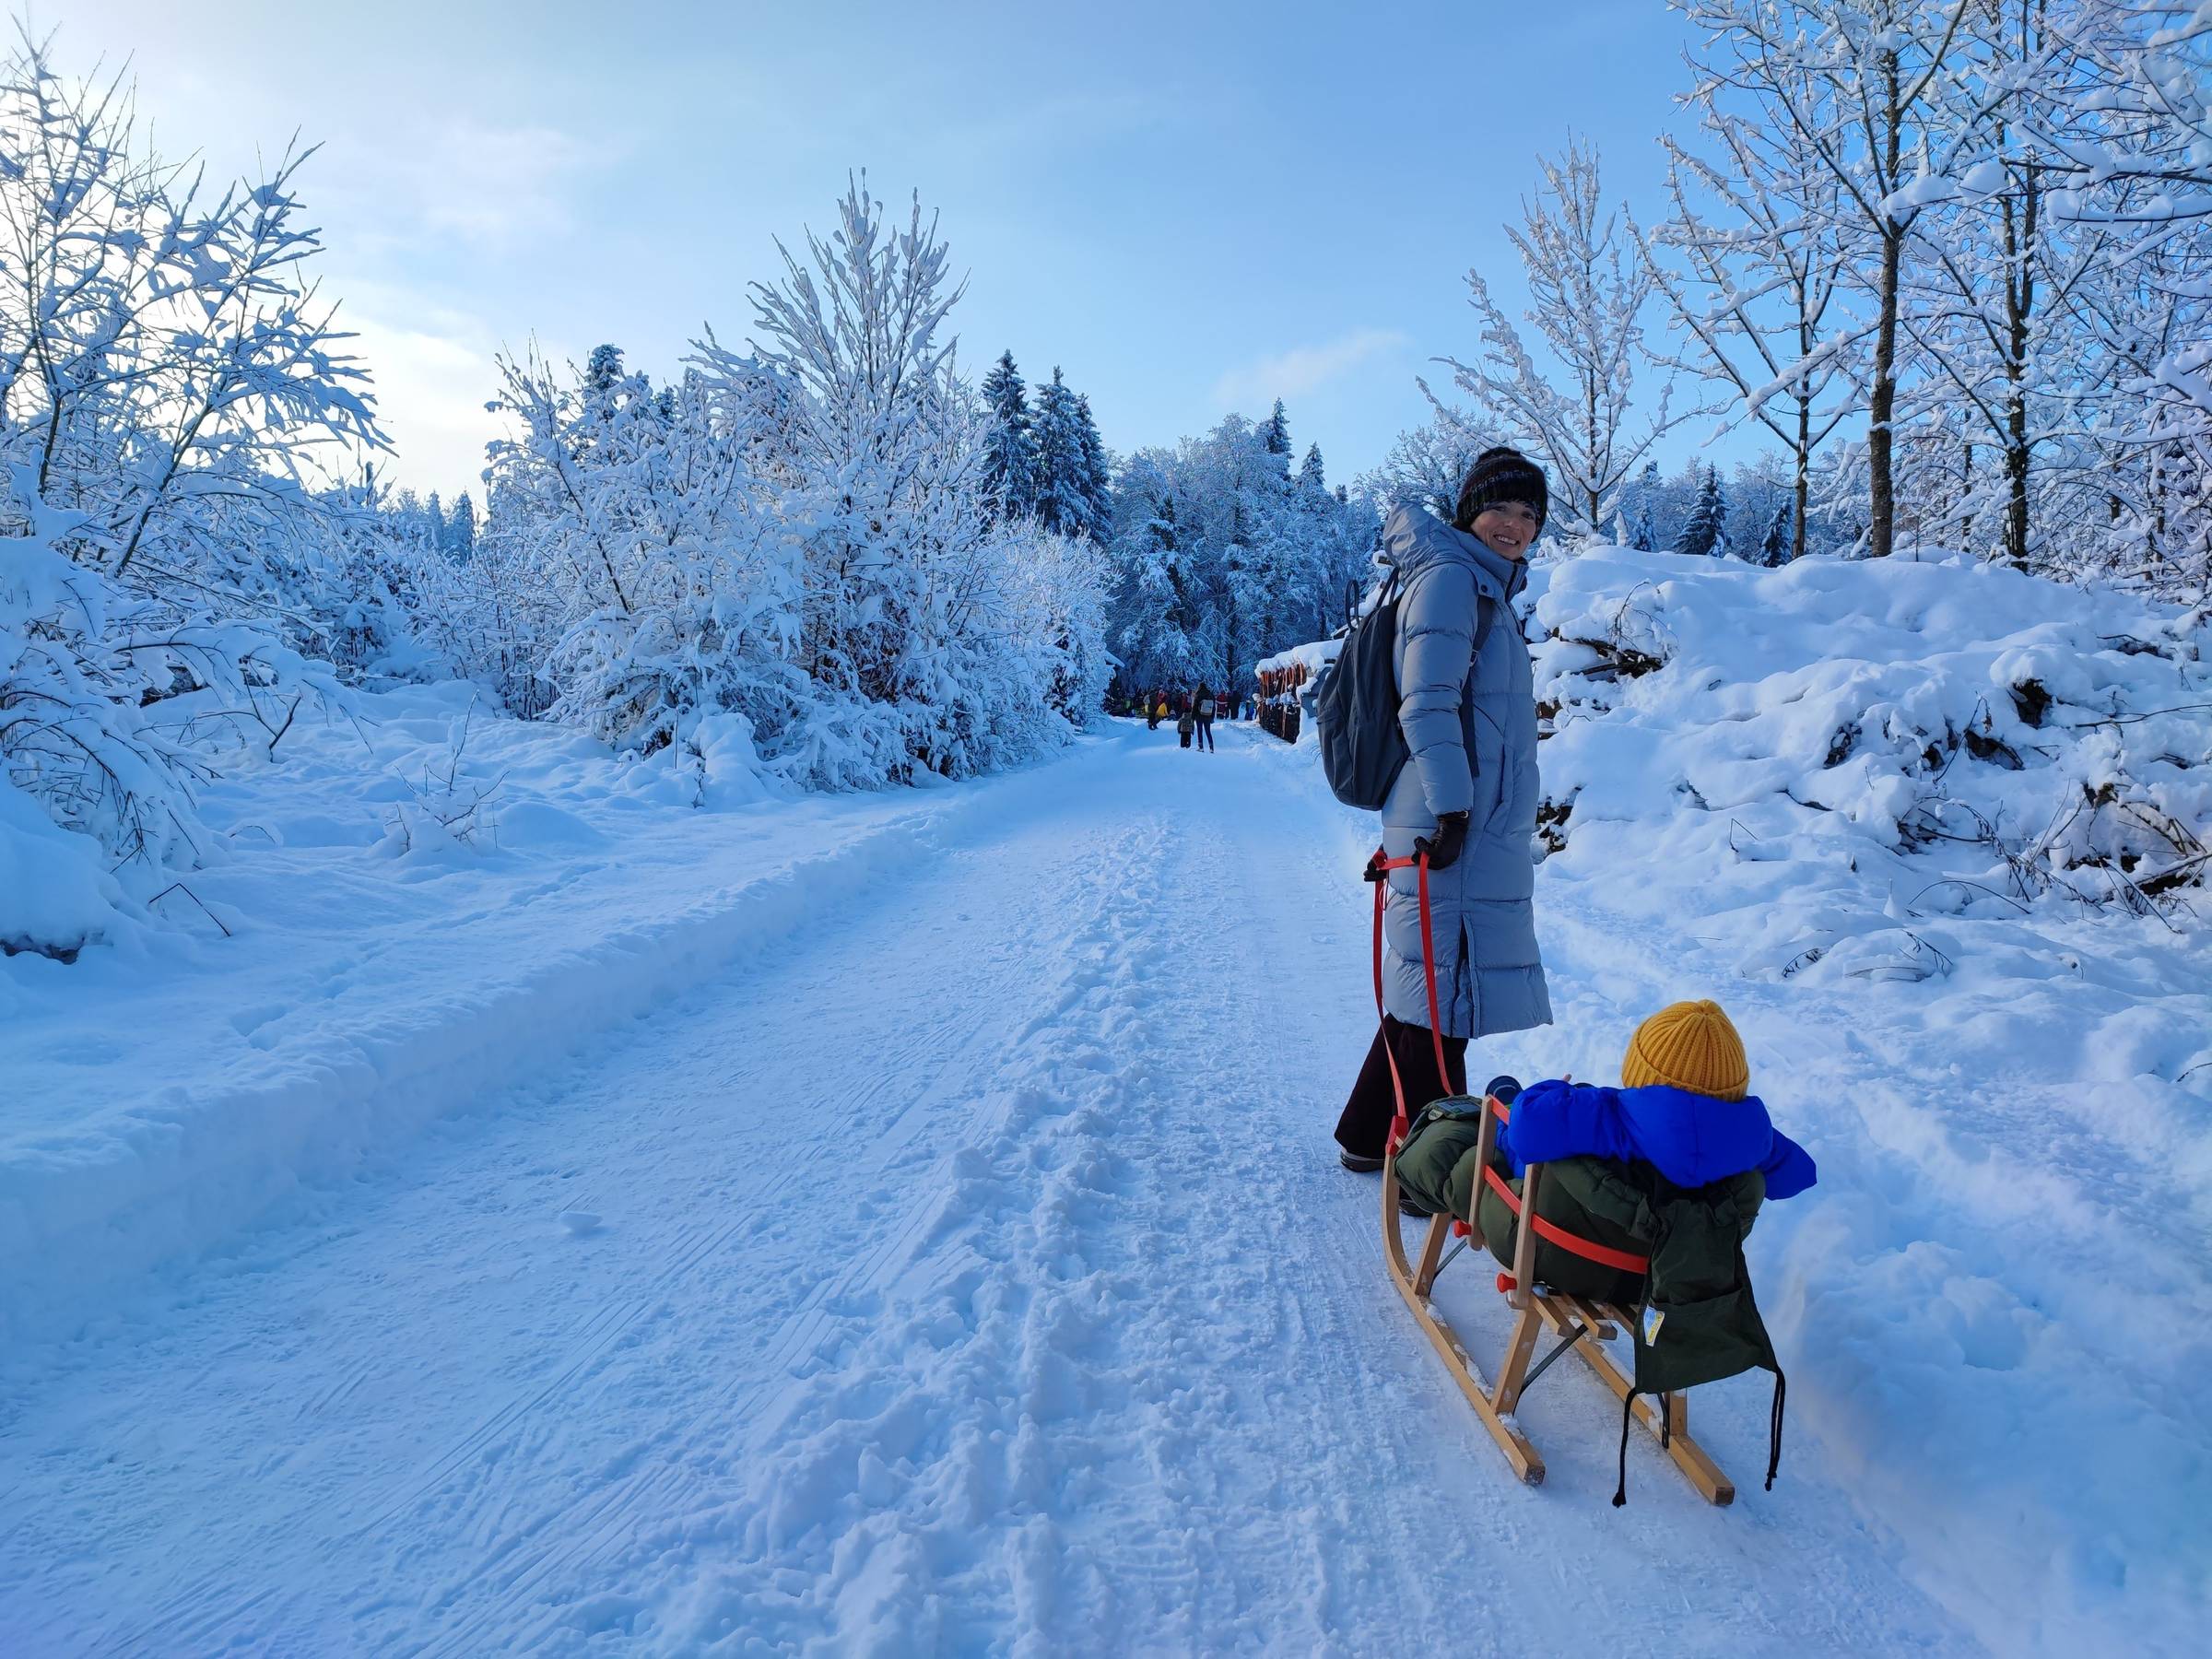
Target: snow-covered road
[{"x": 974, "y": 1274}]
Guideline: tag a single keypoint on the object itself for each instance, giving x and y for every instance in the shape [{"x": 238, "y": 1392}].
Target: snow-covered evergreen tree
[
  {"x": 1643, "y": 497},
  {"x": 1259, "y": 562},
  {"x": 1096, "y": 470},
  {"x": 461, "y": 541},
  {"x": 1010, "y": 449},
  {"x": 1779, "y": 544},
  {"x": 1707, "y": 531},
  {"x": 1309, "y": 470},
  {"x": 1063, "y": 479}
]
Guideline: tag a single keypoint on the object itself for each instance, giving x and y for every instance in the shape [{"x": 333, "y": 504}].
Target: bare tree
[
  {"x": 1853, "y": 83},
  {"x": 1758, "y": 293},
  {"x": 1586, "y": 293}
]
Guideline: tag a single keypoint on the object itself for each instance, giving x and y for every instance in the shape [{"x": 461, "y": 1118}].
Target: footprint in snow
[{"x": 580, "y": 1223}]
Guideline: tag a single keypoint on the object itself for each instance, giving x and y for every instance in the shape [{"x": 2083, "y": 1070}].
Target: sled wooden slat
[{"x": 1527, "y": 1464}]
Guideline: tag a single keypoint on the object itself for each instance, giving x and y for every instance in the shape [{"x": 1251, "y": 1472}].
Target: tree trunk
[
  {"x": 1803, "y": 482},
  {"x": 1881, "y": 514}
]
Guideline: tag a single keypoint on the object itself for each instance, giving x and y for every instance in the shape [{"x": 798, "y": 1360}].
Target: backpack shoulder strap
[{"x": 1486, "y": 619}]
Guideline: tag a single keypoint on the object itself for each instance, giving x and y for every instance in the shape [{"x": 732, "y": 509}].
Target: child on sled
[{"x": 1684, "y": 1107}]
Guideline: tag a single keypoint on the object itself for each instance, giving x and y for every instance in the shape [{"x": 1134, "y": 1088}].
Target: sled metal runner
[{"x": 1583, "y": 1325}]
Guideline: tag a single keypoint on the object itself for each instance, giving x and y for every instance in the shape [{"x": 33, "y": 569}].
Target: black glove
[{"x": 1451, "y": 835}]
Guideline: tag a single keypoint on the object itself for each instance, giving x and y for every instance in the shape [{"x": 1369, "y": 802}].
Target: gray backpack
[{"x": 1355, "y": 704}]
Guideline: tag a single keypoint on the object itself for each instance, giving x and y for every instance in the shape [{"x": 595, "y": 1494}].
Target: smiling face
[{"x": 1506, "y": 528}]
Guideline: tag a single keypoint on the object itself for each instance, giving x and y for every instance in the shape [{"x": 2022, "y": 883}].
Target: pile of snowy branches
[{"x": 1845, "y": 759}]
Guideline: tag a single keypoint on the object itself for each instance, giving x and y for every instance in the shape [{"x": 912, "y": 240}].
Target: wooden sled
[{"x": 1584, "y": 1326}]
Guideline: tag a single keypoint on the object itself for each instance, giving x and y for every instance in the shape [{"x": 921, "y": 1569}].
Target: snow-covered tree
[
  {"x": 1586, "y": 294},
  {"x": 1426, "y": 465},
  {"x": 1750, "y": 262},
  {"x": 460, "y": 539},
  {"x": 1063, "y": 480},
  {"x": 1856, "y": 85},
  {"x": 1010, "y": 450},
  {"x": 1225, "y": 558},
  {"x": 1779, "y": 544},
  {"x": 1096, "y": 471},
  {"x": 173, "y": 396},
  {"x": 1639, "y": 499},
  {"x": 915, "y": 642},
  {"x": 1707, "y": 531},
  {"x": 638, "y": 514}
]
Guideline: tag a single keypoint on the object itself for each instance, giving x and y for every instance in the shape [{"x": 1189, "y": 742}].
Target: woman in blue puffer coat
[{"x": 1467, "y": 797}]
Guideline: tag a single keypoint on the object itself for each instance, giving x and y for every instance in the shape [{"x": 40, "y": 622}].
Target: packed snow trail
[{"x": 973, "y": 1275}]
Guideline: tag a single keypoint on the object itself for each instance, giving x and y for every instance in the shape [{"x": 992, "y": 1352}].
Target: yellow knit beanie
[{"x": 1692, "y": 1046}]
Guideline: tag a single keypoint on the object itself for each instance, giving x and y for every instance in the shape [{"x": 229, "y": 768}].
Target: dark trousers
[
  {"x": 1365, "y": 1124},
  {"x": 1206, "y": 733},
  {"x": 1185, "y": 736}
]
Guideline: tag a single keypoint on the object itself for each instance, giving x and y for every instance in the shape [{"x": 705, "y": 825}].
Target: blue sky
[{"x": 1190, "y": 207}]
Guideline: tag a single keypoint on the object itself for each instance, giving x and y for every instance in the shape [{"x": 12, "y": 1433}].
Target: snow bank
[
  {"x": 55, "y": 894},
  {"x": 495, "y": 893},
  {"x": 1934, "y": 832},
  {"x": 1984, "y": 740}
]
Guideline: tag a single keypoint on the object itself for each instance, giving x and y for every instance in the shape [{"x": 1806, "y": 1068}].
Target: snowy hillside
[{"x": 1942, "y": 825}]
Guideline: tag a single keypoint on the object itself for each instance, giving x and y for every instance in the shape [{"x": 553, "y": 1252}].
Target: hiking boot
[
  {"x": 1358, "y": 1165},
  {"x": 1406, "y": 1206}
]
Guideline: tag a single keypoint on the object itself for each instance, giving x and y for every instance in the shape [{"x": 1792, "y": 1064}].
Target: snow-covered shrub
[
  {"x": 1961, "y": 739},
  {"x": 636, "y": 510},
  {"x": 793, "y": 552},
  {"x": 913, "y": 639},
  {"x": 166, "y": 375}
]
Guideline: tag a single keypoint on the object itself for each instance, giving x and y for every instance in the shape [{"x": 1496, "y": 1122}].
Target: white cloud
[
  {"x": 1301, "y": 370},
  {"x": 433, "y": 373},
  {"x": 486, "y": 186}
]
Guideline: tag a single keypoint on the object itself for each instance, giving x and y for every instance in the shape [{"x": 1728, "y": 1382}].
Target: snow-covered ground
[{"x": 908, "y": 1223}]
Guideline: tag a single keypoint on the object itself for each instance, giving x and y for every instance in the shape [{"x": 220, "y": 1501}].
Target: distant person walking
[
  {"x": 1156, "y": 710},
  {"x": 1467, "y": 797},
  {"x": 1203, "y": 705},
  {"x": 1185, "y": 724}
]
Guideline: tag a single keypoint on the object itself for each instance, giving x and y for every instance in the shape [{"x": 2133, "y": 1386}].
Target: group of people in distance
[{"x": 1193, "y": 712}]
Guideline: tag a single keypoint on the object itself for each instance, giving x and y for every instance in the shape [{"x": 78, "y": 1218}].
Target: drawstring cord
[
  {"x": 1628, "y": 1416},
  {"x": 1774, "y": 1429}
]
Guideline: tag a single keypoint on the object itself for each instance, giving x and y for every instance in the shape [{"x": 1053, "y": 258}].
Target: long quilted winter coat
[{"x": 1472, "y": 727}]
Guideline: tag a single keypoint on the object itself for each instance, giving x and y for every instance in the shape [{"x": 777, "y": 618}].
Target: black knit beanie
[{"x": 1501, "y": 474}]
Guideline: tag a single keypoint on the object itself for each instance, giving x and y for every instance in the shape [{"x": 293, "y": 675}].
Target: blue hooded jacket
[{"x": 1692, "y": 1139}]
